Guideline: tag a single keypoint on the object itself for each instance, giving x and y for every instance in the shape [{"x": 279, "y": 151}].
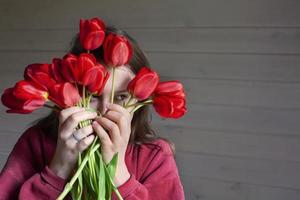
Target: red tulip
[
  {"x": 56, "y": 70},
  {"x": 92, "y": 33},
  {"x": 85, "y": 70},
  {"x": 25, "y": 90},
  {"x": 169, "y": 99},
  {"x": 64, "y": 94},
  {"x": 40, "y": 74},
  {"x": 117, "y": 50},
  {"x": 16, "y": 105},
  {"x": 74, "y": 68},
  {"x": 170, "y": 88},
  {"x": 143, "y": 84},
  {"x": 68, "y": 65},
  {"x": 96, "y": 78}
]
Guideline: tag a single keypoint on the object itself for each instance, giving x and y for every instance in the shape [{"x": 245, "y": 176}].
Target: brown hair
[{"x": 141, "y": 129}]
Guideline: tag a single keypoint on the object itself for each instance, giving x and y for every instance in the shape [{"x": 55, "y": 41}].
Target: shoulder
[
  {"x": 152, "y": 153},
  {"x": 158, "y": 146},
  {"x": 155, "y": 160},
  {"x": 30, "y": 135},
  {"x": 28, "y": 142}
]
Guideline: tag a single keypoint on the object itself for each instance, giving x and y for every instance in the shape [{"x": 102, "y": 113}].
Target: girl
[{"x": 44, "y": 157}]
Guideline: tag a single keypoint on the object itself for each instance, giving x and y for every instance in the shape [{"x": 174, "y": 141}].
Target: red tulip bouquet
[{"x": 73, "y": 80}]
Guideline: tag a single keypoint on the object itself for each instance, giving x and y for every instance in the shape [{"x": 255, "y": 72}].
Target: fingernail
[
  {"x": 94, "y": 123},
  {"x": 98, "y": 117}
]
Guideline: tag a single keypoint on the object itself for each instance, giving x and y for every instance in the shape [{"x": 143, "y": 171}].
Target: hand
[
  {"x": 117, "y": 122},
  {"x": 68, "y": 148}
]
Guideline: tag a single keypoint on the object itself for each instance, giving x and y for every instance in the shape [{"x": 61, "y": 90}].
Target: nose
[{"x": 103, "y": 105}]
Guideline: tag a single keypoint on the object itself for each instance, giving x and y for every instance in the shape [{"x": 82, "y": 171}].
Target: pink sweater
[{"x": 26, "y": 175}]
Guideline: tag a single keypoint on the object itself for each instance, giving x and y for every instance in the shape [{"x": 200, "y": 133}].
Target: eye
[
  {"x": 94, "y": 98},
  {"x": 121, "y": 97}
]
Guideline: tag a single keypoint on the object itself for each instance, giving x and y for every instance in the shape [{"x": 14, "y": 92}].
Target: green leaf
[
  {"x": 79, "y": 178},
  {"x": 101, "y": 178},
  {"x": 108, "y": 186},
  {"x": 87, "y": 185},
  {"x": 93, "y": 170},
  {"x": 112, "y": 166},
  {"x": 73, "y": 192},
  {"x": 92, "y": 175},
  {"x": 110, "y": 170}
]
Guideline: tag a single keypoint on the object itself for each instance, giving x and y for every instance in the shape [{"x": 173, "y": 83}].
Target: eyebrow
[{"x": 121, "y": 91}]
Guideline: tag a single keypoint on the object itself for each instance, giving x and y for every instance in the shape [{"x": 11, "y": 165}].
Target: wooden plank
[
  {"x": 260, "y": 172},
  {"x": 265, "y": 68},
  {"x": 208, "y": 40},
  {"x": 47, "y": 15},
  {"x": 225, "y": 40},
  {"x": 205, "y": 66},
  {"x": 210, "y": 189},
  {"x": 242, "y": 93},
  {"x": 248, "y": 120},
  {"x": 8, "y": 140},
  {"x": 239, "y": 144},
  {"x": 17, "y": 123},
  {"x": 3, "y": 158}
]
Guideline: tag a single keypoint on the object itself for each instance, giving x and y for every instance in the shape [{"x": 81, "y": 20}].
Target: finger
[
  {"x": 81, "y": 133},
  {"x": 71, "y": 123},
  {"x": 85, "y": 143},
  {"x": 102, "y": 134},
  {"x": 65, "y": 113},
  {"x": 119, "y": 118},
  {"x": 112, "y": 128},
  {"x": 118, "y": 108}
]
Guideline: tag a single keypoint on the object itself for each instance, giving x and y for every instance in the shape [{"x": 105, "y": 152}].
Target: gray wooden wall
[{"x": 239, "y": 61}]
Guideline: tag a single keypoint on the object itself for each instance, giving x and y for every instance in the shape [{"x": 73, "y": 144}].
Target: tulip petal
[
  {"x": 64, "y": 95},
  {"x": 28, "y": 90},
  {"x": 168, "y": 86},
  {"x": 92, "y": 33},
  {"x": 117, "y": 50},
  {"x": 19, "y": 106},
  {"x": 93, "y": 40},
  {"x": 163, "y": 106},
  {"x": 40, "y": 74},
  {"x": 70, "y": 94}
]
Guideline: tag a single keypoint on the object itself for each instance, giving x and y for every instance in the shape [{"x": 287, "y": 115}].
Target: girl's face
[{"x": 123, "y": 75}]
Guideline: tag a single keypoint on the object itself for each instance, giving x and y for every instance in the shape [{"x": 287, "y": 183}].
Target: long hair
[{"x": 141, "y": 131}]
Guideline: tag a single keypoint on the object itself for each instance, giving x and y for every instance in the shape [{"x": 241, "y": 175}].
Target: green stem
[
  {"x": 69, "y": 185},
  {"x": 51, "y": 107},
  {"x": 83, "y": 96},
  {"x": 114, "y": 187},
  {"x": 129, "y": 100},
  {"x": 149, "y": 101},
  {"x": 88, "y": 100},
  {"x": 113, "y": 86},
  {"x": 136, "y": 108}
]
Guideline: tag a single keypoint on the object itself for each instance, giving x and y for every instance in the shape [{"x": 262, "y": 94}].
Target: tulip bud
[
  {"x": 169, "y": 99},
  {"x": 117, "y": 50},
  {"x": 40, "y": 74},
  {"x": 92, "y": 33},
  {"x": 143, "y": 84},
  {"x": 64, "y": 94},
  {"x": 20, "y": 106},
  {"x": 29, "y": 90}
]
